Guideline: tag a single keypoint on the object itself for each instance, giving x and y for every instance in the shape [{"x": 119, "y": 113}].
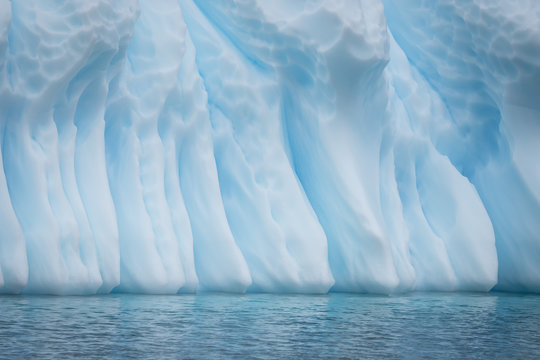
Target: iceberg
[{"x": 269, "y": 146}]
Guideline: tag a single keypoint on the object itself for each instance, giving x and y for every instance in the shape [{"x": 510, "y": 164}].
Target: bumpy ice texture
[{"x": 277, "y": 146}]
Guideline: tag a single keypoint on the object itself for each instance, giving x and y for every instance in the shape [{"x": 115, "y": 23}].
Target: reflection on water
[{"x": 271, "y": 326}]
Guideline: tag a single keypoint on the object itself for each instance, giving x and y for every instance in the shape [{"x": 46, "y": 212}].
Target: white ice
[{"x": 269, "y": 146}]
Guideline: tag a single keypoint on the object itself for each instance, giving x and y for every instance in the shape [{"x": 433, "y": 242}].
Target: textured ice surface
[{"x": 277, "y": 146}]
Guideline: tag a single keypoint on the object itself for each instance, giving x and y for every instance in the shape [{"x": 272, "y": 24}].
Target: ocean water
[{"x": 262, "y": 326}]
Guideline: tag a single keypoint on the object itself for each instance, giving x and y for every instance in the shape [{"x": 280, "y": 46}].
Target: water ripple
[{"x": 259, "y": 326}]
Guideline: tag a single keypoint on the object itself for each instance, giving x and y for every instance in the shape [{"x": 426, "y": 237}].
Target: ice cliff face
[{"x": 280, "y": 146}]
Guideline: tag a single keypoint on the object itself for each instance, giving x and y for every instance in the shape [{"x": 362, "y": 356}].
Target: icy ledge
[{"x": 276, "y": 146}]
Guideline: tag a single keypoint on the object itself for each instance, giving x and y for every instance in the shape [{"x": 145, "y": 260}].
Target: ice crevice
[{"x": 269, "y": 146}]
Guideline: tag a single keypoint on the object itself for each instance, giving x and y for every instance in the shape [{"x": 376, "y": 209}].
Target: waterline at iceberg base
[{"x": 269, "y": 146}]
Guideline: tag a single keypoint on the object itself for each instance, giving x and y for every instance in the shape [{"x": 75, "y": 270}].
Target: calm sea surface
[{"x": 455, "y": 326}]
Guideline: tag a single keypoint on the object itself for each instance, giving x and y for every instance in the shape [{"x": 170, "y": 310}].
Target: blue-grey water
[{"x": 263, "y": 326}]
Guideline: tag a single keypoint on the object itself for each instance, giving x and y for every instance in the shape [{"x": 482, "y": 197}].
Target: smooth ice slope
[{"x": 276, "y": 146}]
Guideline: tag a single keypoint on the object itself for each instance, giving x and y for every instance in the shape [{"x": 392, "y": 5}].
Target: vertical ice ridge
[
  {"x": 243, "y": 183},
  {"x": 54, "y": 134},
  {"x": 13, "y": 259},
  {"x": 250, "y": 122},
  {"x": 391, "y": 206},
  {"x": 41, "y": 132},
  {"x": 486, "y": 83},
  {"x": 177, "y": 112},
  {"x": 319, "y": 136},
  {"x": 204, "y": 200},
  {"x": 448, "y": 201},
  {"x": 144, "y": 85}
]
